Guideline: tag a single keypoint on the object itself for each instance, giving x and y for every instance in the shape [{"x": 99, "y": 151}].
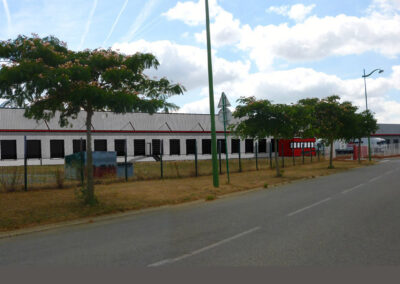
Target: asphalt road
[{"x": 351, "y": 218}]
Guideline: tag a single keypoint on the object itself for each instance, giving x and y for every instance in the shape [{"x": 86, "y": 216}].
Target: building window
[
  {"x": 262, "y": 146},
  {"x": 139, "y": 146},
  {"x": 100, "y": 145},
  {"x": 206, "y": 146},
  {"x": 33, "y": 149},
  {"x": 76, "y": 145},
  {"x": 120, "y": 147},
  {"x": 190, "y": 146},
  {"x": 156, "y": 146},
  {"x": 221, "y": 146},
  {"x": 174, "y": 147},
  {"x": 8, "y": 149},
  {"x": 56, "y": 149},
  {"x": 249, "y": 146},
  {"x": 396, "y": 141},
  {"x": 235, "y": 143}
]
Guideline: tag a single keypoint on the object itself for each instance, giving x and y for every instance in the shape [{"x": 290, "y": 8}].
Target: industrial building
[{"x": 141, "y": 134}]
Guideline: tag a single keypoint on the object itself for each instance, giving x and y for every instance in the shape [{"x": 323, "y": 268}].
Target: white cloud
[
  {"x": 186, "y": 64},
  {"x": 192, "y": 13},
  {"x": 297, "y": 12}
]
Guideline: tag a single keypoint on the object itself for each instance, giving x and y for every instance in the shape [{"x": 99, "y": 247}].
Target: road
[{"x": 350, "y": 218}]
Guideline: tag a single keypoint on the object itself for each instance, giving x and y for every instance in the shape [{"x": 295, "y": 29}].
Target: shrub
[{"x": 59, "y": 178}]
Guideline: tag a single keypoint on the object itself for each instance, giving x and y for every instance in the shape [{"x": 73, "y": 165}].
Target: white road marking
[
  {"x": 384, "y": 161},
  {"x": 375, "y": 178},
  {"x": 308, "y": 207},
  {"x": 172, "y": 260},
  {"x": 389, "y": 172},
  {"x": 353, "y": 188}
]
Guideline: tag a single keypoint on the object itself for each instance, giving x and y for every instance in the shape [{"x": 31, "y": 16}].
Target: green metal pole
[
  {"x": 212, "y": 108},
  {"x": 161, "y": 160},
  {"x": 302, "y": 149},
  {"x": 126, "y": 160},
  {"x": 195, "y": 158},
  {"x": 256, "y": 156},
  {"x": 283, "y": 155},
  {"x": 226, "y": 140},
  {"x": 294, "y": 162},
  {"x": 25, "y": 167},
  {"x": 81, "y": 154},
  {"x": 270, "y": 154},
  {"x": 240, "y": 160},
  {"x": 219, "y": 156}
]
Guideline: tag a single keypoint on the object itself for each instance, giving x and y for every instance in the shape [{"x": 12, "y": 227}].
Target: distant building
[{"x": 389, "y": 132}]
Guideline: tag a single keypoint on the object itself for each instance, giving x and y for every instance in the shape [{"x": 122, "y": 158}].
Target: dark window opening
[
  {"x": 33, "y": 149},
  {"x": 221, "y": 146},
  {"x": 120, "y": 147},
  {"x": 56, "y": 148},
  {"x": 8, "y": 149},
  {"x": 235, "y": 145},
  {"x": 100, "y": 145},
  {"x": 76, "y": 145},
  {"x": 190, "y": 146},
  {"x": 262, "y": 146},
  {"x": 174, "y": 147},
  {"x": 249, "y": 146},
  {"x": 156, "y": 146},
  {"x": 206, "y": 146},
  {"x": 139, "y": 146}
]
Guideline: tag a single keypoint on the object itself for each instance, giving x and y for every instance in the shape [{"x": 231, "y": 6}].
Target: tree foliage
[
  {"x": 45, "y": 77},
  {"x": 328, "y": 119}
]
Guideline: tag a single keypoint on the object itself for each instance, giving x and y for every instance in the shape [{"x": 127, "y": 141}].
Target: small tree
[
  {"x": 363, "y": 125},
  {"x": 261, "y": 118},
  {"x": 46, "y": 78},
  {"x": 330, "y": 120}
]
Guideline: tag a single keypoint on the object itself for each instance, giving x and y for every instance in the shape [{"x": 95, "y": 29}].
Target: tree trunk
[
  {"x": 89, "y": 197},
  {"x": 359, "y": 150},
  {"x": 278, "y": 173},
  {"x": 331, "y": 155}
]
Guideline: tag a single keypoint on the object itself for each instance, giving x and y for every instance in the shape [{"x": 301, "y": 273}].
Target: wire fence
[{"x": 16, "y": 178}]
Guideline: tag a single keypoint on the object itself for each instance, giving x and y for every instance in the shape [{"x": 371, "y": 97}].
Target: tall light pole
[
  {"x": 366, "y": 104},
  {"x": 212, "y": 108}
]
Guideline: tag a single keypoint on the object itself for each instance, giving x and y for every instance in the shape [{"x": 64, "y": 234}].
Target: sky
[{"x": 282, "y": 51}]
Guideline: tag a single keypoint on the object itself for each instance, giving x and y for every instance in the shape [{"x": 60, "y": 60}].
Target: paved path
[{"x": 351, "y": 218}]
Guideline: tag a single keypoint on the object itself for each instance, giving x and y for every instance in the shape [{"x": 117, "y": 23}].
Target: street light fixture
[{"x": 366, "y": 104}]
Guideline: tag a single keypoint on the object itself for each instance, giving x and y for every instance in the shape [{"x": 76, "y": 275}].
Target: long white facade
[{"x": 111, "y": 127}]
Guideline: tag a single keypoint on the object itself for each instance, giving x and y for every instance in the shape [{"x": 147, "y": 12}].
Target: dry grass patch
[{"x": 26, "y": 209}]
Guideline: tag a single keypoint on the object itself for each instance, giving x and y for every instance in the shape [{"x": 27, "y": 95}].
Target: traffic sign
[
  {"x": 221, "y": 115},
  {"x": 221, "y": 103}
]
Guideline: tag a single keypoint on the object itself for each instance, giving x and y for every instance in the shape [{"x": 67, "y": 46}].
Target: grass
[{"x": 39, "y": 207}]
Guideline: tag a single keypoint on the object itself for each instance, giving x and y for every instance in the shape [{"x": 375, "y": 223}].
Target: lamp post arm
[{"x": 373, "y": 71}]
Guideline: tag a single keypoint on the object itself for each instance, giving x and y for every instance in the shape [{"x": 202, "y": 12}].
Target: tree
[
  {"x": 330, "y": 120},
  {"x": 46, "y": 78},
  {"x": 261, "y": 118},
  {"x": 363, "y": 125}
]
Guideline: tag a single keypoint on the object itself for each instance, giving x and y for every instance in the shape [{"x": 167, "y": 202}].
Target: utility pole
[{"x": 212, "y": 108}]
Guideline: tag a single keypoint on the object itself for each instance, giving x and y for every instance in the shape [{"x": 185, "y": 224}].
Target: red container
[{"x": 294, "y": 147}]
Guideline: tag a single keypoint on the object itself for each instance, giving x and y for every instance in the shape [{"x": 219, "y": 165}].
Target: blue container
[{"x": 121, "y": 170}]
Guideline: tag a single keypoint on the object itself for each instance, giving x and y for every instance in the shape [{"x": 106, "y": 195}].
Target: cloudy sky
[{"x": 278, "y": 50}]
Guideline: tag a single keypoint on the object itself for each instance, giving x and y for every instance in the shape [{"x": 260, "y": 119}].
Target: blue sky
[{"x": 279, "y": 50}]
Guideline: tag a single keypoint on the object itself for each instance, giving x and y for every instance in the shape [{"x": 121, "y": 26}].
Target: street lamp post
[{"x": 366, "y": 104}]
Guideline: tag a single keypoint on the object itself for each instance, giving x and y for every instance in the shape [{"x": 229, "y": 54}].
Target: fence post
[
  {"x": 270, "y": 154},
  {"x": 81, "y": 154},
  {"x": 318, "y": 152},
  {"x": 302, "y": 147},
  {"x": 240, "y": 161},
  {"x": 195, "y": 158},
  {"x": 283, "y": 155},
  {"x": 126, "y": 160},
  {"x": 311, "y": 152},
  {"x": 161, "y": 156},
  {"x": 294, "y": 161},
  {"x": 25, "y": 167},
  {"x": 257, "y": 156},
  {"x": 219, "y": 156}
]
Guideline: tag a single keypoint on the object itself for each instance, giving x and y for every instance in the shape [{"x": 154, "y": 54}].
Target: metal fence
[{"x": 35, "y": 175}]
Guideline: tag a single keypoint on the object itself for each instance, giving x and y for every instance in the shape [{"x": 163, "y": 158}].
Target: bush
[{"x": 10, "y": 182}]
